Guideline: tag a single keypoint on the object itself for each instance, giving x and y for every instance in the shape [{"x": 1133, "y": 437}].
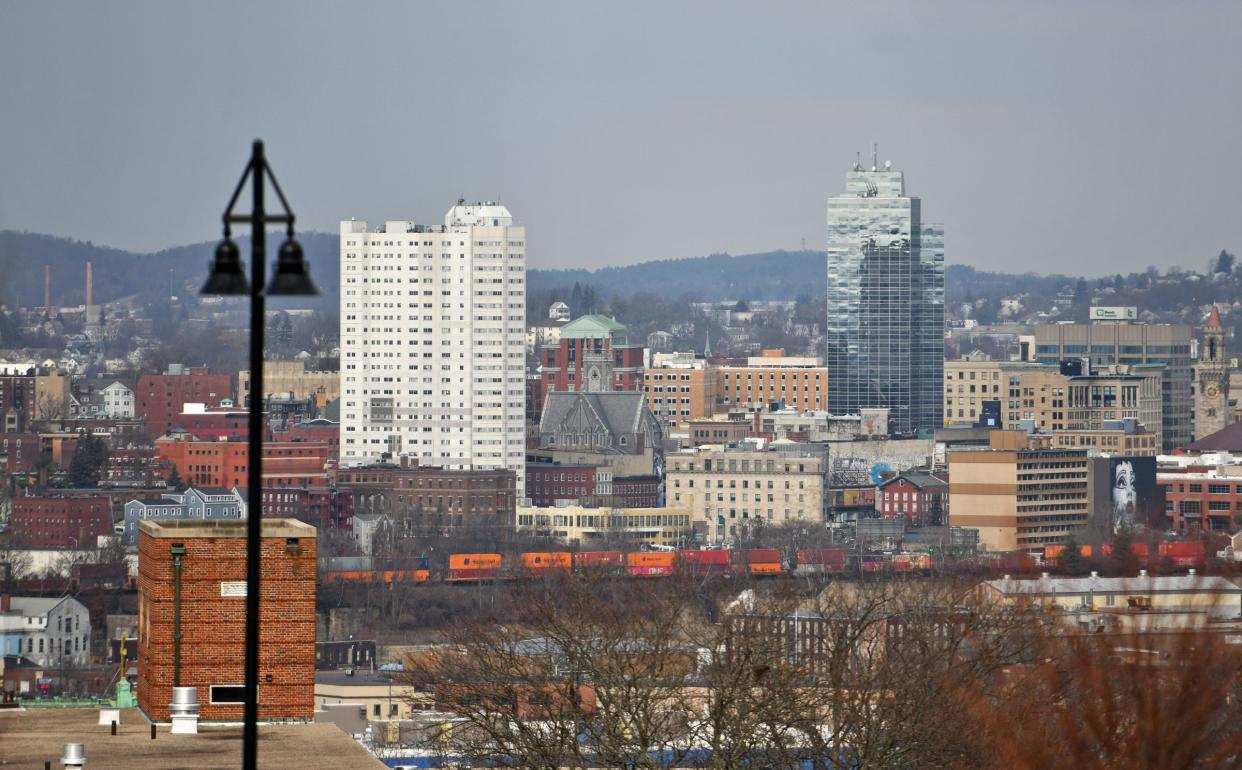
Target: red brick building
[
  {"x": 17, "y": 403},
  {"x": 432, "y": 495},
  {"x": 160, "y": 398},
  {"x": 213, "y": 424},
  {"x": 318, "y": 430},
  {"x": 1196, "y": 497},
  {"x": 920, "y": 498},
  {"x": 19, "y": 452},
  {"x": 321, "y": 507},
  {"x": 636, "y": 492},
  {"x": 60, "y": 521},
  {"x": 210, "y": 652},
  {"x": 226, "y": 464},
  {"x": 593, "y": 355},
  {"x": 546, "y": 483}
]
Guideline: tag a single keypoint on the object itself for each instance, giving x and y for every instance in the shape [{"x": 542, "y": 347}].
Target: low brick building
[
  {"x": 208, "y": 561},
  {"x": 60, "y": 521},
  {"x": 431, "y": 495},
  {"x": 227, "y": 463}
]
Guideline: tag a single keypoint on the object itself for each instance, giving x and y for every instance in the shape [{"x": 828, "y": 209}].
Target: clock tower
[{"x": 1212, "y": 379}]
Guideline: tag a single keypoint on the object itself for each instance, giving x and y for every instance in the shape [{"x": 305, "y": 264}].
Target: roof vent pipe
[
  {"x": 184, "y": 711},
  {"x": 74, "y": 758}
]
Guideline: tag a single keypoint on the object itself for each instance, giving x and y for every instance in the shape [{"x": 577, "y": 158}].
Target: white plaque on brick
[{"x": 233, "y": 588}]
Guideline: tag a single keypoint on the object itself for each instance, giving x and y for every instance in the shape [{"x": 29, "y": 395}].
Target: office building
[
  {"x": 800, "y": 382},
  {"x": 731, "y": 490},
  {"x": 583, "y": 527},
  {"x": 885, "y": 324},
  {"x": 680, "y": 387},
  {"x": 1104, "y": 343},
  {"x": 433, "y": 323},
  {"x": 1018, "y": 498},
  {"x": 161, "y": 398}
]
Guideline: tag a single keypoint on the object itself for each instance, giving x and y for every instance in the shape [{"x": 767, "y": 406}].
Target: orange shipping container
[
  {"x": 542, "y": 561},
  {"x": 474, "y": 561}
]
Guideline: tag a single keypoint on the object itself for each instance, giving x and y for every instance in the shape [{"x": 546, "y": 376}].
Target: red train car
[
  {"x": 912, "y": 562},
  {"x": 822, "y": 561},
  {"x": 650, "y": 563},
  {"x": 599, "y": 561},
  {"x": 466, "y": 567},
  {"x": 759, "y": 561},
  {"x": 703, "y": 563},
  {"x": 1185, "y": 553}
]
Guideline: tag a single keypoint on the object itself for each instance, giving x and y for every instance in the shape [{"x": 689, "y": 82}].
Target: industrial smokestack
[
  {"x": 47, "y": 288},
  {"x": 90, "y": 286}
]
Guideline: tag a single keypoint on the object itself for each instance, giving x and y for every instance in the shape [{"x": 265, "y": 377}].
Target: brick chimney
[
  {"x": 5, "y": 604},
  {"x": 90, "y": 286}
]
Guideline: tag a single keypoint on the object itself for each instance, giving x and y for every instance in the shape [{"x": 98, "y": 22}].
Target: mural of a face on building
[{"x": 1125, "y": 495}]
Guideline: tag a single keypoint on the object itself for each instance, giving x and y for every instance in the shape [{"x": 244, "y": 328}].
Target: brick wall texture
[{"x": 213, "y": 626}]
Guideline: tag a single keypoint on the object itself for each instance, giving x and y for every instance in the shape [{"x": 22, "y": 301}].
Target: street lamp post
[{"x": 226, "y": 278}]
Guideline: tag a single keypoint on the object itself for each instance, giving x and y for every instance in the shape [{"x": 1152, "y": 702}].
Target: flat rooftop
[
  {"x": 183, "y": 528},
  {"x": 31, "y": 737}
]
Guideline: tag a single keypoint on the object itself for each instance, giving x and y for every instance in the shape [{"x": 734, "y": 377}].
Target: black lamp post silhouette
[{"x": 227, "y": 278}]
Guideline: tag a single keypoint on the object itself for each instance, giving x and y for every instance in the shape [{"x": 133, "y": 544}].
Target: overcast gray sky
[{"x": 1090, "y": 137}]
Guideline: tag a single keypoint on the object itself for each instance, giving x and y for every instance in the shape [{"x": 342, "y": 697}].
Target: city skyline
[{"x": 687, "y": 127}]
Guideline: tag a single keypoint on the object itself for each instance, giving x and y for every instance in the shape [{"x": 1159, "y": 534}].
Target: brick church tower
[{"x": 1211, "y": 379}]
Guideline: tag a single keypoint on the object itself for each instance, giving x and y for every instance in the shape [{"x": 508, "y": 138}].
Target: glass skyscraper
[{"x": 885, "y": 330}]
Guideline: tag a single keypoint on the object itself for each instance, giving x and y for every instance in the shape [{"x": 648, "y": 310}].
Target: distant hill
[
  {"x": 770, "y": 275},
  {"x": 118, "y": 273},
  {"x": 774, "y": 275}
]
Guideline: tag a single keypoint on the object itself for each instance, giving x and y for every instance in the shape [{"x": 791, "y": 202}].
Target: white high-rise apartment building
[{"x": 433, "y": 324}]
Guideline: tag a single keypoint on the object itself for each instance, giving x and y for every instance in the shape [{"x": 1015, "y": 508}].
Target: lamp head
[
  {"x": 292, "y": 275},
  {"x": 225, "y": 276}
]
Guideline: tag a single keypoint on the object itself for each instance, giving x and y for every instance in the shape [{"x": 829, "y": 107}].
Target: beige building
[
  {"x": 680, "y": 388},
  {"x": 292, "y": 377},
  {"x": 1137, "y": 443},
  {"x": 730, "y": 489},
  {"x": 1121, "y": 393},
  {"x": 1213, "y": 596},
  {"x": 1018, "y": 498},
  {"x": 1052, "y": 401},
  {"x": 1025, "y": 391},
  {"x": 1106, "y": 342},
  {"x": 379, "y": 696},
  {"x": 801, "y": 382},
  {"x": 581, "y": 526}
]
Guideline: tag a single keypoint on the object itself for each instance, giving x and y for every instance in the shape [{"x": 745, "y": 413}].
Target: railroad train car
[
  {"x": 703, "y": 563},
  {"x": 556, "y": 561},
  {"x": 599, "y": 562},
  {"x": 377, "y": 576},
  {"x": 759, "y": 561},
  {"x": 1182, "y": 554},
  {"x": 911, "y": 562},
  {"x": 821, "y": 561},
  {"x": 651, "y": 563},
  {"x": 474, "y": 566}
]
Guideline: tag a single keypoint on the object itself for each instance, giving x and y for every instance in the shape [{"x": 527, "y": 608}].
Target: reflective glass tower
[{"x": 885, "y": 330}]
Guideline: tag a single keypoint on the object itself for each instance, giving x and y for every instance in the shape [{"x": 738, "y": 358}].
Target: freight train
[
  {"x": 465, "y": 568},
  {"x": 757, "y": 562}
]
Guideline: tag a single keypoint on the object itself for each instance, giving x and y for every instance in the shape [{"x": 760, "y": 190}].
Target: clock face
[{"x": 1211, "y": 390}]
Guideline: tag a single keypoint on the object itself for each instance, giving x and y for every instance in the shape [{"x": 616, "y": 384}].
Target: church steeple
[{"x": 707, "y": 344}]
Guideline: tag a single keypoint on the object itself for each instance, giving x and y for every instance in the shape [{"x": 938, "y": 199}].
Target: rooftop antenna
[{"x": 875, "y": 151}]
